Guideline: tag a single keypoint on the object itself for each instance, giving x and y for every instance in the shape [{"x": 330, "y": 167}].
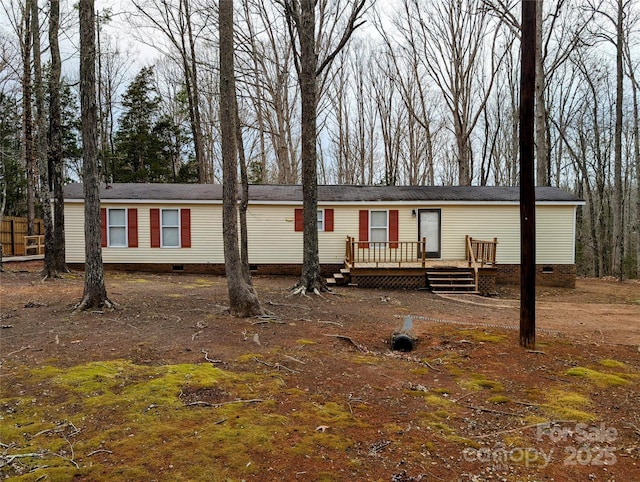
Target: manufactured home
[{"x": 438, "y": 237}]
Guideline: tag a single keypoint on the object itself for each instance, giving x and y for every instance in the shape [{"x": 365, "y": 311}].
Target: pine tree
[{"x": 144, "y": 148}]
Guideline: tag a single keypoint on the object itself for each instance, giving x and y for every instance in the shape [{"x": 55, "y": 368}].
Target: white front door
[{"x": 430, "y": 228}]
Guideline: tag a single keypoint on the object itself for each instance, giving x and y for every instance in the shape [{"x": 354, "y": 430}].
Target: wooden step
[
  {"x": 450, "y": 280},
  {"x": 331, "y": 282},
  {"x": 452, "y": 286}
]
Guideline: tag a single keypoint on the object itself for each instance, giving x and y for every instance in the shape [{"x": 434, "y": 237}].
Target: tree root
[{"x": 87, "y": 304}]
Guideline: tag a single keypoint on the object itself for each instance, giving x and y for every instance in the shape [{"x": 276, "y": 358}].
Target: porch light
[{"x": 413, "y": 213}]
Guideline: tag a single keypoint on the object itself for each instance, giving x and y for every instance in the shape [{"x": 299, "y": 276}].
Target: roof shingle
[{"x": 326, "y": 193}]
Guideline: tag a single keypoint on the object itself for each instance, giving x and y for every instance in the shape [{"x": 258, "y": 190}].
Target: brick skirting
[
  {"x": 214, "y": 269},
  {"x": 560, "y": 275}
]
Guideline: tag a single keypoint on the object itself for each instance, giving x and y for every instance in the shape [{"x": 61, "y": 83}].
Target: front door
[{"x": 429, "y": 227}]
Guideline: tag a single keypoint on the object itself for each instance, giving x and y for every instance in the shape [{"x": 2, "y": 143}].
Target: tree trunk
[
  {"x": 95, "y": 293},
  {"x": 55, "y": 142},
  {"x": 27, "y": 120},
  {"x": 311, "y": 280},
  {"x": 41, "y": 143},
  {"x": 618, "y": 233},
  {"x": 243, "y": 300},
  {"x": 636, "y": 154},
  {"x": 244, "y": 198},
  {"x": 3, "y": 197},
  {"x": 205, "y": 173},
  {"x": 542, "y": 148}
]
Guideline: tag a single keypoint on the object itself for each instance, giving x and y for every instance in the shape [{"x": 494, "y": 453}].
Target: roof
[{"x": 326, "y": 193}]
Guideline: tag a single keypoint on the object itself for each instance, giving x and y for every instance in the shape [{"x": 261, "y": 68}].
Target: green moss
[
  {"x": 483, "y": 336},
  {"x": 313, "y": 444},
  {"x": 442, "y": 414},
  {"x": 392, "y": 428},
  {"x": 441, "y": 390},
  {"x": 498, "y": 399},
  {"x": 248, "y": 357},
  {"x": 144, "y": 422},
  {"x": 302, "y": 341},
  {"x": 437, "y": 401},
  {"x": 420, "y": 371},
  {"x": 457, "y": 439},
  {"x": 613, "y": 364},
  {"x": 367, "y": 359},
  {"x": 479, "y": 382},
  {"x": 599, "y": 378},
  {"x": 565, "y": 405}
]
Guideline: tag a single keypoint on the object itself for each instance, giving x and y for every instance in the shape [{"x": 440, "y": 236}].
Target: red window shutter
[
  {"x": 363, "y": 232},
  {"x": 298, "y": 220},
  {"x": 103, "y": 226},
  {"x": 132, "y": 224},
  {"x": 185, "y": 228},
  {"x": 155, "y": 227},
  {"x": 393, "y": 228},
  {"x": 328, "y": 219}
]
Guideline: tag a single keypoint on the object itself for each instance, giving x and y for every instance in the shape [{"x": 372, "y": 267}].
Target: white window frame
[
  {"x": 376, "y": 228},
  {"x": 124, "y": 226},
  {"x": 162, "y": 228},
  {"x": 320, "y": 219}
]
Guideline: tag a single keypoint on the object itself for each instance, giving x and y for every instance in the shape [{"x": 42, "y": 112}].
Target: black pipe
[{"x": 404, "y": 340}]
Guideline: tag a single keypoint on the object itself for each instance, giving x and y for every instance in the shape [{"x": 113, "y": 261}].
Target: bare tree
[
  {"x": 95, "y": 292},
  {"x": 614, "y": 16},
  {"x": 635, "y": 92},
  {"x": 267, "y": 66},
  {"x": 55, "y": 158},
  {"x": 40, "y": 144},
  {"x": 27, "y": 117},
  {"x": 301, "y": 19},
  {"x": 175, "y": 22},
  {"x": 452, "y": 36},
  {"x": 243, "y": 300}
]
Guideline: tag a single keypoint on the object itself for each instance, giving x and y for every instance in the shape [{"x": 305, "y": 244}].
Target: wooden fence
[{"x": 13, "y": 233}]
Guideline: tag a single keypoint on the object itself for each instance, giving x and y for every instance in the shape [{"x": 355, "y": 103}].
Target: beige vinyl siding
[
  {"x": 481, "y": 222},
  {"x": 272, "y": 238},
  {"x": 555, "y": 234},
  {"x": 74, "y": 232},
  {"x": 554, "y": 231},
  {"x": 206, "y": 236},
  {"x": 271, "y": 235}
]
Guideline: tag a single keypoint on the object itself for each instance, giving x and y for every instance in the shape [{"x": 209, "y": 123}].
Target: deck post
[{"x": 467, "y": 247}]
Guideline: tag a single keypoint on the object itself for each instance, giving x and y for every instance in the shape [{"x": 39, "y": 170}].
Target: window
[
  {"x": 378, "y": 226},
  {"x": 117, "y": 228},
  {"x": 320, "y": 220},
  {"x": 325, "y": 220},
  {"x": 170, "y": 228}
]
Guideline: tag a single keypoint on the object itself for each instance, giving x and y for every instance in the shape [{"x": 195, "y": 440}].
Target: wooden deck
[
  {"x": 428, "y": 263},
  {"x": 403, "y": 264}
]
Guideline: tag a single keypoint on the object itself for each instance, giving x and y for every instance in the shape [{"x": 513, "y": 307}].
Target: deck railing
[
  {"x": 479, "y": 254},
  {"x": 34, "y": 243},
  {"x": 385, "y": 253},
  {"x": 482, "y": 252}
]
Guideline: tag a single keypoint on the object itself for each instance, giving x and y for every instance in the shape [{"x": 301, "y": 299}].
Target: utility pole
[{"x": 527, "y": 183}]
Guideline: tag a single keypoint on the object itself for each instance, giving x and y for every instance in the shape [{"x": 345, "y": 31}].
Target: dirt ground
[{"x": 169, "y": 387}]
